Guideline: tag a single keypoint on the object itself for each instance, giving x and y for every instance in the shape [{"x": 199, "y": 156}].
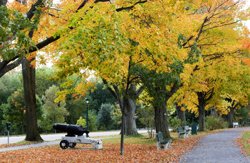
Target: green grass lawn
[
  {"x": 138, "y": 139},
  {"x": 245, "y": 142}
]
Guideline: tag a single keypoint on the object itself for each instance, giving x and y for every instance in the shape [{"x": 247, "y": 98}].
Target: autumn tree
[
  {"x": 235, "y": 91},
  {"x": 220, "y": 84},
  {"x": 112, "y": 62},
  {"x": 27, "y": 35},
  {"x": 219, "y": 21},
  {"x": 92, "y": 46}
]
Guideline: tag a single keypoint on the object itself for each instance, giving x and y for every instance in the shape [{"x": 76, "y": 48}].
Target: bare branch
[
  {"x": 10, "y": 66},
  {"x": 110, "y": 89},
  {"x": 82, "y": 5},
  {"x": 131, "y": 7},
  {"x": 222, "y": 25}
]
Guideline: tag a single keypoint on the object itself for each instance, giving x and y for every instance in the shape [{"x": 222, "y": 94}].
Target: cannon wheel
[
  {"x": 72, "y": 145},
  {"x": 64, "y": 144}
]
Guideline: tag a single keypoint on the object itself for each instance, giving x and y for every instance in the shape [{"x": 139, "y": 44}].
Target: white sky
[{"x": 248, "y": 22}]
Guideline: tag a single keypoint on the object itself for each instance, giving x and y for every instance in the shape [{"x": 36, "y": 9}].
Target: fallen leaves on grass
[
  {"x": 239, "y": 142},
  {"x": 110, "y": 153},
  {"x": 244, "y": 143}
]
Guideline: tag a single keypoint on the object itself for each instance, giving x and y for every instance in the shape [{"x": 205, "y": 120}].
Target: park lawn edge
[
  {"x": 137, "y": 148},
  {"x": 244, "y": 143},
  {"x": 107, "y": 139}
]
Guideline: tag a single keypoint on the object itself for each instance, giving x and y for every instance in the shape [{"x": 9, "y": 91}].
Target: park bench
[
  {"x": 161, "y": 142},
  {"x": 187, "y": 130},
  {"x": 182, "y": 132},
  {"x": 235, "y": 124}
]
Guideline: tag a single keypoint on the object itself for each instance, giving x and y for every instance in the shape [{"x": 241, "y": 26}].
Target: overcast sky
[{"x": 248, "y": 22}]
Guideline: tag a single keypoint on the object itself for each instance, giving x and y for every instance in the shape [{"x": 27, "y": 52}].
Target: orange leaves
[
  {"x": 18, "y": 6},
  {"x": 246, "y": 44},
  {"x": 110, "y": 153},
  {"x": 247, "y": 61}
]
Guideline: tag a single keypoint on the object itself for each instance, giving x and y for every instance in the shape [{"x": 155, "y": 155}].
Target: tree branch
[
  {"x": 131, "y": 7},
  {"x": 10, "y": 66},
  {"x": 4, "y": 65},
  {"x": 139, "y": 91},
  {"x": 222, "y": 25},
  {"x": 33, "y": 8},
  {"x": 110, "y": 89},
  {"x": 210, "y": 94},
  {"x": 82, "y": 5},
  {"x": 173, "y": 90}
]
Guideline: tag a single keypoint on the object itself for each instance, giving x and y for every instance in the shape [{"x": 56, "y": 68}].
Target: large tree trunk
[
  {"x": 130, "y": 119},
  {"x": 161, "y": 123},
  {"x": 201, "y": 109},
  {"x": 30, "y": 101},
  {"x": 201, "y": 118},
  {"x": 3, "y": 2},
  {"x": 230, "y": 117}
]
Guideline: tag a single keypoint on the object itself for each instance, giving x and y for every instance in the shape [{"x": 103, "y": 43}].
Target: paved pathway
[
  {"x": 28, "y": 146},
  {"x": 217, "y": 148},
  {"x": 53, "y": 137}
]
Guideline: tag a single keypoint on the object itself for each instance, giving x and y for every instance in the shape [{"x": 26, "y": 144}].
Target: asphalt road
[
  {"x": 217, "y": 148},
  {"x": 53, "y": 137}
]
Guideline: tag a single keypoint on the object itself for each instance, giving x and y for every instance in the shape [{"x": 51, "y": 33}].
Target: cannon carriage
[{"x": 75, "y": 134}]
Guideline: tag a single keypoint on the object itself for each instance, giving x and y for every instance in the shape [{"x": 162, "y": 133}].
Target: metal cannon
[
  {"x": 75, "y": 134},
  {"x": 72, "y": 130}
]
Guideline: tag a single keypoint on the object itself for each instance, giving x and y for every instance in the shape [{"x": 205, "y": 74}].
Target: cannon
[
  {"x": 72, "y": 130},
  {"x": 75, "y": 134}
]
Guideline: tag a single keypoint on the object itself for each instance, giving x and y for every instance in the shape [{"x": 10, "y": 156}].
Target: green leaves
[
  {"x": 181, "y": 40},
  {"x": 14, "y": 40}
]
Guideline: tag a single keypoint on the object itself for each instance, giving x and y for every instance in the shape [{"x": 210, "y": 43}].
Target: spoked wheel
[
  {"x": 72, "y": 145},
  {"x": 64, "y": 144}
]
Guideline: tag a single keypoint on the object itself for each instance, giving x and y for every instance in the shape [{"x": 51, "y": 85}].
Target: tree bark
[
  {"x": 159, "y": 104},
  {"x": 201, "y": 109},
  {"x": 230, "y": 117},
  {"x": 130, "y": 119},
  {"x": 161, "y": 124},
  {"x": 28, "y": 72},
  {"x": 3, "y": 2}
]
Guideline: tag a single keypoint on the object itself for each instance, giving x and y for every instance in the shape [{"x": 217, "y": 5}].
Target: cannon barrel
[{"x": 71, "y": 129}]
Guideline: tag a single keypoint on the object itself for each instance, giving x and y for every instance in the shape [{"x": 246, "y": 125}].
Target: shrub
[
  {"x": 215, "y": 122},
  {"x": 81, "y": 121},
  {"x": 174, "y": 123}
]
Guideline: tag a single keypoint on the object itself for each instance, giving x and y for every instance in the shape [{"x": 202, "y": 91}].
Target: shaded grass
[
  {"x": 136, "y": 139},
  {"x": 144, "y": 139}
]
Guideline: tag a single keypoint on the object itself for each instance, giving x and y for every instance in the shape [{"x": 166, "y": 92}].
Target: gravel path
[{"x": 217, "y": 148}]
